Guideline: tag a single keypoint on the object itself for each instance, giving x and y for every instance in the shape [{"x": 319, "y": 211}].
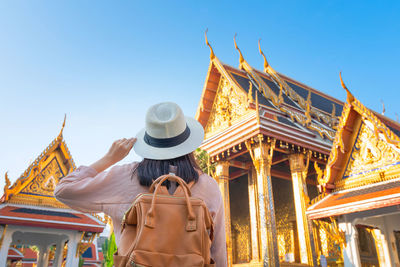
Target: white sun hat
[{"x": 168, "y": 133}]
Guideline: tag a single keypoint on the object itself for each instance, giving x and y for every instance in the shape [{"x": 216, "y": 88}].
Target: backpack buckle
[{"x": 191, "y": 225}]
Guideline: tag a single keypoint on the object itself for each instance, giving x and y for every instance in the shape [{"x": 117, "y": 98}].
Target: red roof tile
[
  {"x": 355, "y": 200},
  {"x": 25, "y": 216},
  {"x": 14, "y": 254}
]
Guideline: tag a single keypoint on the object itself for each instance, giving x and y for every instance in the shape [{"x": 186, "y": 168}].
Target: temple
[
  {"x": 265, "y": 133},
  {"x": 363, "y": 196},
  {"x": 30, "y": 216}
]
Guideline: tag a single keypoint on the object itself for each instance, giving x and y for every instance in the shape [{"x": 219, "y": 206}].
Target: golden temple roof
[
  {"x": 36, "y": 185},
  {"x": 304, "y": 105},
  {"x": 301, "y": 110}
]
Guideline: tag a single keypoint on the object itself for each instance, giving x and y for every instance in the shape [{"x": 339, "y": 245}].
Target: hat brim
[{"x": 194, "y": 140}]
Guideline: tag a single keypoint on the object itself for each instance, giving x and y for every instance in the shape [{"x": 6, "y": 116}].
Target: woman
[{"x": 166, "y": 144}]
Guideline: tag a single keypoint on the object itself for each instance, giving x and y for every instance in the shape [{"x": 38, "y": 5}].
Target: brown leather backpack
[{"x": 160, "y": 229}]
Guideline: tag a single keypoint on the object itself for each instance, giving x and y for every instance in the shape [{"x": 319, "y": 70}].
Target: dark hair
[{"x": 149, "y": 169}]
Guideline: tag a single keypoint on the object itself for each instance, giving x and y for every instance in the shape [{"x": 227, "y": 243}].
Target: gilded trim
[{"x": 305, "y": 104}]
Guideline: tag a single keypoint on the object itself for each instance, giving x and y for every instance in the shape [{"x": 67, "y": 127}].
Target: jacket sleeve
[
  {"x": 218, "y": 246},
  {"x": 88, "y": 191}
]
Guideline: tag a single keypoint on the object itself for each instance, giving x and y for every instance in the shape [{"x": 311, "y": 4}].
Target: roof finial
[
  {"x": 383, "y": 107},
  {"x": 212, "y": 55},
  {"x": 265, "y": 59},
  {"x": 333, "y": 114},
  {"x": 7, "y": 182},
  {"x": 241, "y": 59},
  {"x": 397, "y": 117},
  {"x": 62, "y": 127},
  {"x": 350, "y": 97}
]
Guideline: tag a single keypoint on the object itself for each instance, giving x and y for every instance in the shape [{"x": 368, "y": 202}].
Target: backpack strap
[{"x": 162, "y": 178}]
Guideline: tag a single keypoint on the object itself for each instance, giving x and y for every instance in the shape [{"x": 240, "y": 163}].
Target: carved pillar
[
  {"x": 5, "y": 242},
  {"x": 382, "y": 248},
  {"x": 261, "y": 153},
  {"x": 253, "y": 215},
  {"x": 351, "y": 254},
  {"x": 222, "y": 177},
  {"x": 43, "y": 257},
  {"x": 58, "y": 257},
  {"x": 304, "y": 226},
  {"x": 72, "y": 257}
]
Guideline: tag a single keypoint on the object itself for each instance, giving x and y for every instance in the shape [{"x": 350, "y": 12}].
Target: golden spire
[
  {"x": 350, "y": 97},
  {"x": 212, "y": 55},
  {"x": 241, "y": 59},
  {"x": 265, "y": 59},
  {"x": 383, "y": 107},
  {"x": 62, "y": 128}
]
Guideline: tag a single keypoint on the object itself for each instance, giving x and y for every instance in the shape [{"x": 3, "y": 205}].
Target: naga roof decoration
[
  {"x": 310, "y": 112},
  {"x": 36, "y": 185},
  {"x": 276, "y": 105}
]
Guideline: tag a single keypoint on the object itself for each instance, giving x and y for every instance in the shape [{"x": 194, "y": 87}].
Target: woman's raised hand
[{"x": 118, "y": 150}]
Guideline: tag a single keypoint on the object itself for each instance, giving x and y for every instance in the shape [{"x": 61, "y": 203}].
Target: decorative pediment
[
  {"x": 44, "y": 182},
  {"x": 370, "y": 154},
  {"x": 230, "y": 104}
]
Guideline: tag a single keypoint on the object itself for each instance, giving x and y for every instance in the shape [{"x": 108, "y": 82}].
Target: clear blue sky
[{"x": 104, "y": 62}]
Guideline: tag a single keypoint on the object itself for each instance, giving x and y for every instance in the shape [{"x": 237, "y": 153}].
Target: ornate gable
[
  {"x": 230, "y": 104},
  {"x": 369, "y": 153},
  {"x": 36, "y": 185},
  {"x": 365, "y": 150}
]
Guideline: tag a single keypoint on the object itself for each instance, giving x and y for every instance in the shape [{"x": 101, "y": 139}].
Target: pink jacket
[{"x": 113, "y": 191}]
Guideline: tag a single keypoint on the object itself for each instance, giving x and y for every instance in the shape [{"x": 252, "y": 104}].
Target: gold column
[
  {"x": 222, "y": 177},
  {"x": 253, "y": 215},
  {"x": 261, "y": 153},
  {"x": 304, "y": 226}
]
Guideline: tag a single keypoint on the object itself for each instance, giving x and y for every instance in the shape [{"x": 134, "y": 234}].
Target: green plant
[
  {"x": 109, "y": 247},
  {"x": 203, "y": 160},
  {"x": 81, "y": 261}
]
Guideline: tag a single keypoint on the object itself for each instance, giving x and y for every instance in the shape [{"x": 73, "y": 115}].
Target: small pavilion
[
  {"x": 31, "y": 216},
  {"x": 361, "y": 188}
]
